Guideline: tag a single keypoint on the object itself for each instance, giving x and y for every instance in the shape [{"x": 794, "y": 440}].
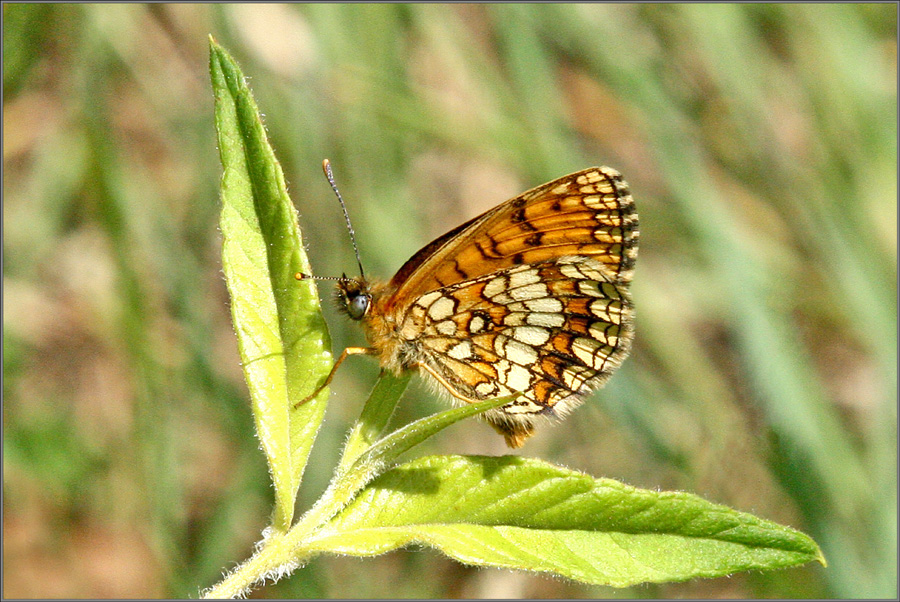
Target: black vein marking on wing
[{"x": 571, "y": 318}]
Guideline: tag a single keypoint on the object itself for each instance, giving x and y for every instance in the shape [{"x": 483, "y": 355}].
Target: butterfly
[{"x": 531, "y": 297}]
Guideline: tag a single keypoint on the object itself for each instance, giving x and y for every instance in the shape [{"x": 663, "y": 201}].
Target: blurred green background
[{"x": 760, "y": 145}]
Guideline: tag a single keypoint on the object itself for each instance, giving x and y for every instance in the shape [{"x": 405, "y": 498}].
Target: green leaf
[
  {"x": 282, "y": 337},
  {"x": 352, "y": 475},
  {"x": 527, "y": 514},
  {"x": 281, "y": 553},
  {"x": 388, "y": 448}
]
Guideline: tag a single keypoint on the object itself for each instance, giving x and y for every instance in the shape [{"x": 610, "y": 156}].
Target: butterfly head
[{"x": 354, "y": 297}]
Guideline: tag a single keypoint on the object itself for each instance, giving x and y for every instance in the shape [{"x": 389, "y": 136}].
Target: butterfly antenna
[{"x": 326, "y": 166}]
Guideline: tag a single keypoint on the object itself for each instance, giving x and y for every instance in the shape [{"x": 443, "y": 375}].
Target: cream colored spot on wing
[
  {"x": 608, "y": 309},
  {"x": 500, "y": 342},
  {"x": 572, "y": 271},
  {"x": 584, "y": 350},
  {"x": 523, "y": 278},
  {"x": 532, "y": 291},
  {"x": 487, "y": 389},
  {"x": 427, "y": 299},
  {"x": 546, "y": 305},
  {"x": 441, "y": 309},
  {"x": 446, "y": 327},
  {"x": 606, "y": 188},
  {"x": 606, "y": 333},
  {"x": 589, "y": 288},
  {"x": 591, "y": 269},
  {"x": 545, "y": 320},
  {"x": 520, "y": 268},
  {"x": 476, "y": 324},
  {"x": 413, "y": 322},
  {"x": 416, "y": 314},
  {"x": 410, "y": 330},
  {"x": 503, "y": 390},
  {"x": 514, "y": 319},
  {"x": 608, "y": 235},
  {"x": 590, "y": 177},
  {"x": 519, "y": 353},
  {"x": 531, "y": 335},
  {"x": 502, "y": 367},
  {"x": 518, "y": 378},
  {"x": 461, "y": 351},
  {"x": 495, "y": 287}
]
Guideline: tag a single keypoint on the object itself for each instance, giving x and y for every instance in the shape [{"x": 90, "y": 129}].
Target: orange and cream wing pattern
[
  {"x": 588, "y": 213},
  {"x": 531, "y": 297}
]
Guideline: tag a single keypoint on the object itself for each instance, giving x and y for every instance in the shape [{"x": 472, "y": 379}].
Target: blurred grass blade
[
  {"x": 282, "y": 337},
  {"x": 526, "y": 514}
]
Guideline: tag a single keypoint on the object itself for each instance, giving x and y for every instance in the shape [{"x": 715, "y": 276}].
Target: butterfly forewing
[
  {"x": 530, "y": 297},
  {"x": 588, "y": 213}
]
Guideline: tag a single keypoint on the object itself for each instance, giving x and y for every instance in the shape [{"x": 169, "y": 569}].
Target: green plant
[{"x": 492, "y": 511}]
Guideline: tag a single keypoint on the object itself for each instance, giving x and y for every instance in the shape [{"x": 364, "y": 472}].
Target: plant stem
[
  {"x": 266, "y": 562},
  {"x": 281, "y": 553}
]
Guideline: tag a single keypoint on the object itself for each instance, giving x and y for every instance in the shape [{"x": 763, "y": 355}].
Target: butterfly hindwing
[{"x": 553, "y": 331}]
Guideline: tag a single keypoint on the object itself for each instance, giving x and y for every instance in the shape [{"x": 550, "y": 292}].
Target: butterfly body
[{"x": 530, "y": 297}]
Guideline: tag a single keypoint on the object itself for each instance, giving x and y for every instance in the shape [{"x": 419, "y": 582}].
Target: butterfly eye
[{"x": 358, "y": 305}]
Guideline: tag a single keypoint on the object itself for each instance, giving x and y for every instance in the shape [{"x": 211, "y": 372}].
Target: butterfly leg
[{"x": 347, "y": 352}]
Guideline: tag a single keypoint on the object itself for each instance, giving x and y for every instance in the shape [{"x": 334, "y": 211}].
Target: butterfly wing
[
  {"x": 553, "y": 331},
  {"x": 588, "y": 213},
  {"x": 531, "y": 297}
]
